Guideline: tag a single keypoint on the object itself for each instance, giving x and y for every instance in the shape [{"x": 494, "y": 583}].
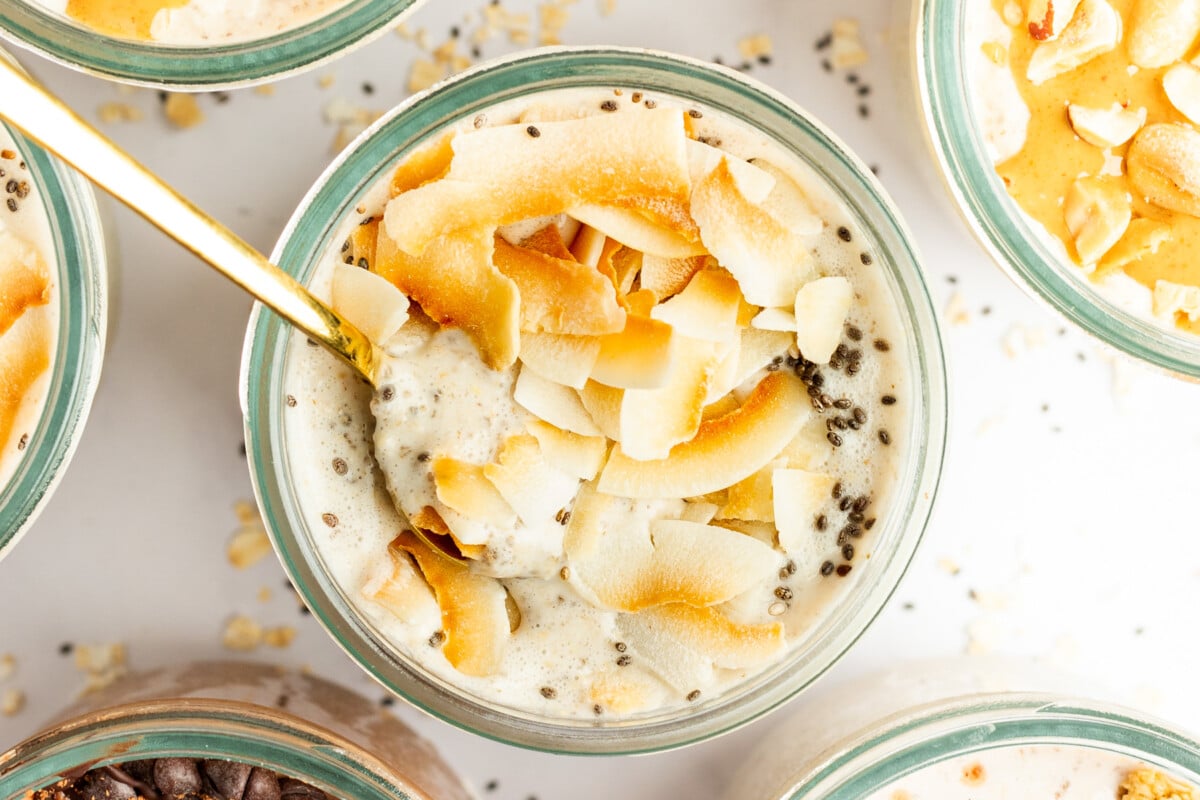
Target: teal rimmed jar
[
  {"x": 200, "y": 67},
  {"x": 318, "y": 228},
  {"x": 328, "y": 737},
  {"x": 78, "y": 259},
  {"x": 942, "y": 70},
  {"x": 967, "y": 728}
]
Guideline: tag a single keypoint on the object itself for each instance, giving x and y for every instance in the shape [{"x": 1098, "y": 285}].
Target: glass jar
[
  {"x": 210, "y": 66},
  {"x": 333, "y": 199},
  {"x": 79, "y": 262},
  {"x": 873, "y": 732},
  {"x": 296, "y": 725},
  {"x": 942, "y": 75}
]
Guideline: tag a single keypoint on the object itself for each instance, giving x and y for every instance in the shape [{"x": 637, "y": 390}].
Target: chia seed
[
  {"x": 437, "y": 639},
  {"x": 888, "y": 400},
  {"x": 837, "y": 490},
  {"x": 827, "y": 569},
  {"x": 843, "y": 570},
  {"x": 853, "y": 367},
  {"x": 854, "y": 333},
  {"x": 848, "y": 552},
  {"x": 549, "y": 693},
  {"x": 693, "y": 695},
  {"x": 694, "y": 113},
  {"x": 340, "y": 466},
  {"x": 884, "y": 436},
  {"x": 621, "y": 647},
  {"x": 842, "y": 403},
  {"x": 624, "y": 661},
  {"x": 330, "y": 519},
  {"x": 533, "y": 131},
  {"x": 597, "y": 710},
  {"x": 834, "y": 439},
  {"x": 783, "y": 593},
  {"x": 651, "y": 104},
  {"x": 859, "y": 415},
  {"x": 866, "y": 259},
  {"x": 869, "y": 523},
  {"x": 480, "y": 121},
  {"x": 291, "y": 401},
  {"x": 821, "y": 523},
  {"x": 844, "y": 234},
  {"x": 12, "y": 205},
  {"x": 882, "y": 345},
  {"x": 608, "y": 105}
]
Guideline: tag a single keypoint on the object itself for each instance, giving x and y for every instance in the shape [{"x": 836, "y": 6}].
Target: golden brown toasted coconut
[
  {"x": 1146, "y": 783},
  {"x": 548, "y": 241},
  {"x": 761, "y": 531},
  {"x": 23, "y": 277},
  {"x": 639, "y": 357},
  {"x": 580, "y": 456},
  {"x": 724, "y": 376},
  {"x": 426, "y": 164},
  {"x": 799, "y": 496},
  {"x": 559, "y": 295},
  {"x": 681, "y": 668},
  {"x": 431, "y": 527},
  {"x": 755, "y": 184},
  {"x": 624, "y": 691},
  {"x": 588, "y": 245},
  {"x": 758, "y": 349},
  {"x": 464, "y": 488},
  {"x": 788, "y": 203},
  {"x": 707, "y": 309},
  {"x": 559, "y": 357},
  {"x": 626, "y": 264},
  {"x": 808, "y": 449},
  {"x": 504, "y": 174},
  {"x": 769, "y": 260},
  {"x": 698, "y": 511},
  {"x": 475, "y": 616},
  {"x": 676, "y": 561},
  {"x": 603, "y": 404},
  {"x": 396, "y": 584},
  {"x": 746, "y": 312},
  {"x": 655, "y": 420},
  {"x": 553, "y": 403},
  {"x": 369, "y": 301},
  {"x": 775, "y": 319},
  {"x": 720, "y": 407},
  {"x": 752, "y": 499},
  {"x": 456, "y": 284},
  {"x": 668, "y": 276},
  {"x": 821, "y": 308},
  {"x": 25, "y": 352},
  {"x": 636, "y": 230},
  {"x": 724, "y": 451},
  {"x": 640, "y": 303},
  {"x": 709, "y": 632},
  {"x": 534, "y": 488}
]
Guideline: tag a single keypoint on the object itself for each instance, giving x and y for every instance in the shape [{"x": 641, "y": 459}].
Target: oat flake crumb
[{"x": 1150, "y": 784}]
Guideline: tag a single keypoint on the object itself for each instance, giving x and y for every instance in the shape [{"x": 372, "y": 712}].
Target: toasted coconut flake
[
  {"x": 464, "y": 488},
  {"x": 668, "y": 276},
  {"x": 707, "y": 309},
  {"x": 25, "y": 351},
  {"x": 655, "y": 420},
  {"x": 580, "y": 456},
  {"x": 396, "y": 584},
  {"x": 535, "y": 489},
  {"x": 754, "y": 183},
  {"x": 588, "y": 245},
  {"x": 23, "y": 275},
  {"x": 768, "y": 259},
  {"x": 724, "y": 374},
  {"x": 433, "y": 529},
  {"x": 554, "y": 403},
  {"x": 775, "y": 319},
  {"x": 620, "y": 265},
  {"x": 721, "y": 407},
  {"x": 560, "y": 358},
  {"x": 559, "y": 295},
  {"x": 758, "y": 348},
  {"x": 788, "y": 202},
  {"x": 624, "y": 691},
  {"x": 724, "y": 451},
  {"x": 549, "y": 240},
  {"x": 699, "y": 512},
  {"x": 427, "y": 164},
  {"x": 639, "y": 357},
  {"x": 799, "y": 496},
  {"x": 761, "y": 531},
  {"x": 369, "y": 301},
  {"x": 821, "y": 309},
  {"x": 752, "y": 499},
  {"x": 676, "y": 561},
  {"x": 474, "y": 609},
  {"x": 641, "y": 302},
  {"x": 636, "y": 231},
  {"x": 809, "y": 449},
  {"x": 680, "y": 667},
  {"x": 603, "y": 404},
  {"x": 710, "y": 633},
  {"x": 456, "y": 284},
  {"x": 502, "y": 174}
]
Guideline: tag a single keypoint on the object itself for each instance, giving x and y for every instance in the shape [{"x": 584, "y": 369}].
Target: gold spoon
[{"x": 61, "y": 131}]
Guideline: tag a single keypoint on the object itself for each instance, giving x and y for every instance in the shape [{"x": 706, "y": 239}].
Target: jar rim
[
  {"x": 333, "y": 196},
  {"x": 209, "y": 68}
]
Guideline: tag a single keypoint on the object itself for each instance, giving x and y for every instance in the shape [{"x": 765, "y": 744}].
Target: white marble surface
[{"x": 1066, "y": 530}]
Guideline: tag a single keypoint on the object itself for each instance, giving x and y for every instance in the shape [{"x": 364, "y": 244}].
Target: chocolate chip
[
  {"x": 262, "y": 785},
  {"x": 177, "y": 776},
  {"x": 292, "y": 789},
  {"x": 100, "y": 784},
  {"x": 228, "y": 777}
]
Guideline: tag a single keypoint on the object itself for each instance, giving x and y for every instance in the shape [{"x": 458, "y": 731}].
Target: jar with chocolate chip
[{"x": 226, "y": 731}]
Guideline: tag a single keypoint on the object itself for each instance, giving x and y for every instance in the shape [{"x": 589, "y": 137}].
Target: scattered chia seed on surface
[
  {"x": 608, "y": 105},
  {"x": 621, "y": 647},
  {"x": 624, "y": 661},
  {"x": 66, "y": 648},
  {"x": 533, "y": 131},
  {"x": 888, "y": 400},
  {"x": 822, "y": 522},
  {"x": 825, "y": 41},
  {"x": 869, "y": 523},
  {"x": 866, "y": 259},
  {"x": 24, "y": 442},
  {"x": 826, "y": 65},
  {"x": 842, "y": 403},
  {"x": 437, "y": 639},
  {"x": 860, "y": 416},
  {"x": 843, "y": 570},
  {"x": 650, "y": 104},
  {"x": 387, "y": 393},
  {"x": 479, "y": 121},
  {"x": 854, "y": 333},
  {"x": 330, "y": 519},
  {"x": 693, "y": 695},
  {"x": 848, "y": 552},
  {"x": 340, "y": 466},
  {"x": 423, "y": 457},
  {"x": 491, "y": 786},
  {"x": 387, "y": 701},
  {"x": 827, "y": 569},
  {"x": 783, "y": 593},
  {"x": 597, "y": 710},
  {"x": 837, "y": 490},
  {"x": 844, "y": 234},
  {"x": 884, "y": 436},
  {"x": 695, "y": 113},
  {"x": 863, "y": 111},
  {"x": 549, "y": 692},
  {"x": 882, "y": 345}
]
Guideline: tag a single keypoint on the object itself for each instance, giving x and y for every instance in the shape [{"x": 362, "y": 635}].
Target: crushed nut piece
[{"x": 182, "y": 110}]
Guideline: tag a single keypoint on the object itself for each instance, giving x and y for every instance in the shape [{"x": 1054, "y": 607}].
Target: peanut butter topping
[
  {"x": 1082, "y": 93},
  {"x": 127, "y": 19}
]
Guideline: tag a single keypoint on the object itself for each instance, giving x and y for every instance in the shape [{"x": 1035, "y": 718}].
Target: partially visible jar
[
  {"x": 966, "y": 720},
  {"x": 298, "y": 726},
  {"x": 206, "y": 61},
  {"x": 53, "y": 209}
]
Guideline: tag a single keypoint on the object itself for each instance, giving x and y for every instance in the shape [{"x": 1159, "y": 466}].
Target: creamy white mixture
[
  {"x": 1018, "y": 773},
  {"x": 214, "y": 22},
  {"x": 1003, "y": 118},
  {"x": 31, "y": 224},
  {"x": 444, "y": 400}
]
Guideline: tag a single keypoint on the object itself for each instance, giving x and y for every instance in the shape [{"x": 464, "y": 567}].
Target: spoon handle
[{"x": 60, "y": 130}]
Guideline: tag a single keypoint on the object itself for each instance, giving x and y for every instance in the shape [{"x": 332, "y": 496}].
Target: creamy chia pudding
[
  {"x": 28, "y": 306},
  {"x": 192, "y": 22},
  {"x": 645, "y": 406},
  {"x": 1090, "y": 111}
]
